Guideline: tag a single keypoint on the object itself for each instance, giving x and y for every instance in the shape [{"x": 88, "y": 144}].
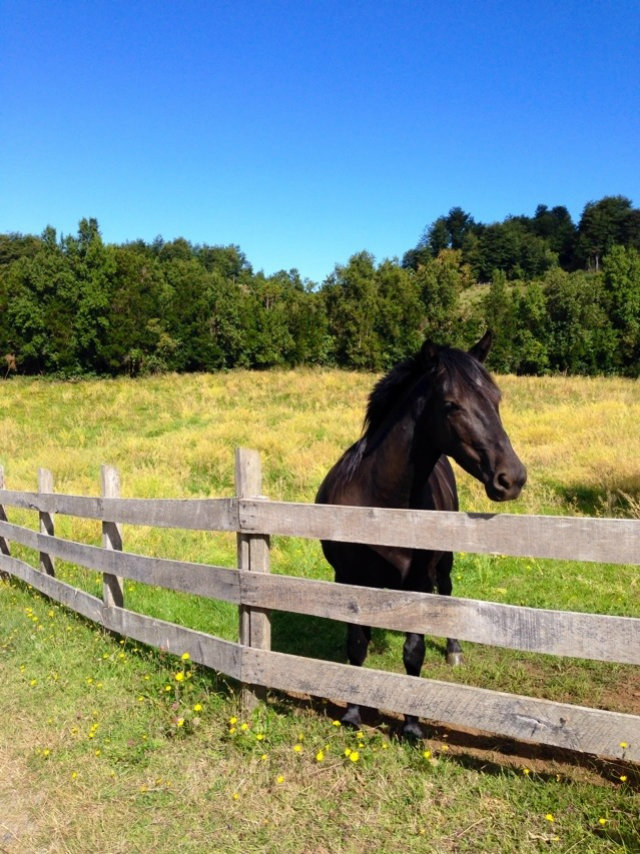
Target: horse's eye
[{"x": 450, "y": 406}]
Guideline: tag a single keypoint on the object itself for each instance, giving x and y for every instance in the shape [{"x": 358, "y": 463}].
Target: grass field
[{"x": 103, "y": 749}]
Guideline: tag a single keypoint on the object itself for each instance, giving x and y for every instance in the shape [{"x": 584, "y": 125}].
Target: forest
[{"x": 559, "y": 296}]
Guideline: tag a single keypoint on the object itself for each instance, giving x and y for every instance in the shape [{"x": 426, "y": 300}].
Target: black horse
[{"x": 440, "y": 402}]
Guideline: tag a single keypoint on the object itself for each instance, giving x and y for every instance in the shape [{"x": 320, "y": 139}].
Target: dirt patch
[{"x": 18, "y": 805}]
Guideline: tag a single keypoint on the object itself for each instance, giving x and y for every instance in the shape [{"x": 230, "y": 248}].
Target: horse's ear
[
  {"x": 429, "y": 356},
  {"x": 480, "y": 351}
]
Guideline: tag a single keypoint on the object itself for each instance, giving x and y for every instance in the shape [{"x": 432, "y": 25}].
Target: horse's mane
[
  {"x": 389, "y": 390},
  {"x": 393, "y": 388}
]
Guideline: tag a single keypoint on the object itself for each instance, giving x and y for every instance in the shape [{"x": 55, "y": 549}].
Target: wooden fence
[{"x": 256, "y": 592}]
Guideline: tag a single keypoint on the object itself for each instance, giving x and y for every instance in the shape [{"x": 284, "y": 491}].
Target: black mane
[
  {"x": 391, "y": 389},
  {"x": 452, "y": 364}
]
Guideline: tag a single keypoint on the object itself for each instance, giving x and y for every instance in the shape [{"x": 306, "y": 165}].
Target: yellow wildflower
[{"x": 185, "y": 656}]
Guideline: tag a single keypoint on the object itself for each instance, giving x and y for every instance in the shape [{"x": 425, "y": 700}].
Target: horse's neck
[{"x": 400, "y": 468}]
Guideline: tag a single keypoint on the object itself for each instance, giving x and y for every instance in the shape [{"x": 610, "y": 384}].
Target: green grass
[{"x": 172, "y": 774}]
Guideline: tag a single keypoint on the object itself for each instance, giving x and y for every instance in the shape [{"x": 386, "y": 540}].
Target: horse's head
[{"x": 464, "y": 418}]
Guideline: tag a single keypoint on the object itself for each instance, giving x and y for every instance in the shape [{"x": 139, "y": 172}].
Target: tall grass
[{"x": 158, "y": 784}]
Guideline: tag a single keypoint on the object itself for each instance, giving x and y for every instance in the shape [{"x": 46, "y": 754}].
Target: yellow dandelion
[
  {"x": 46, "y": 752},
  {"x": 623, "y": 745},
  {"x": 232, "y": 730},
  {"x": 320, "y": 756},
  {"x": 427, "y": 754},
  {"x": 347, "y": 751},
  {"x": 233, "y": 720},
  {"x": 180, "y": 722},
  {"x": 185, "y": 656},
  {"x": 526, "y": 772},
  {"x": 144, "y": 789},
  {"x": 33, "y": 683},
  {"x": 74, "y": 775},
  {"x": 98, "y": 752},
  {"x": 336, "y": 723},
  {"x": 244, "y": 727},
  {"x": 354, "y": 756},
  {"x": 549, "y": 817},
  {"x": 280, "y": 779},
  {"x": 235, "y": 796},
  {"x": 167, "y": 688},
  {"x": 264, "y": 757},
  {"x": 179, "y": 677},
  {"x": 197, "y": 707},
  {"x": 259, "y": 736},
  {"x": 298, "y": 748},
  {"x": 623, "y": 778},
  {"x": 602, "y": 821}
]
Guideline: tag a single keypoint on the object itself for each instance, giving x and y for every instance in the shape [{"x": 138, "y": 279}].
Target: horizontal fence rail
[{"x": 256, "y": 592}]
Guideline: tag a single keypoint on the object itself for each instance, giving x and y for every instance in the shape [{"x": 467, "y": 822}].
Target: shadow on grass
[{"x": 619, "y": 499}]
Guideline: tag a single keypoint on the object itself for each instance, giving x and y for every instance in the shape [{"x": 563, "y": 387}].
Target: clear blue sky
[{"x": 307, "y": 130}]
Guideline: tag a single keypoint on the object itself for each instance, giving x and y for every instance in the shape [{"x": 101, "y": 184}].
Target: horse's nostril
[{"x": 503, "y": 480}]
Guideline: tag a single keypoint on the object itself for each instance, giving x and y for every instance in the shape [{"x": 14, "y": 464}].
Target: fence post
[
  {"x": 45, "y": 486},
  {"x": 4, "y": 543},
  {"x": 253, "y": 555},
  {"x": 112, "y": 587}
]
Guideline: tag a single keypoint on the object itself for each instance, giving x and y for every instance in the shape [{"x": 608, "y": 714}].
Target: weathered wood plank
[
  {"x": 77, "y": 600},
  {"x": 253, "y": 557},
  {"x": 201, "y": 579},
  {"x": 112, "y": 586},
  {"x": 201, "y": 514},
  {"x": 45, "y": 485},
  {"x": 4, "y": 545},
  {"x": 560, "y": 537},
  {"x": 524, "y": 718},
  {"x": 590, "y": 636},
  {"x": 220, "y": 655}
]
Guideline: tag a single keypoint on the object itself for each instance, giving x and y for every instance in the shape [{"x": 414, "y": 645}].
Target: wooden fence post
[
  {"x": 112, "y": 586},
  {"x": 4, "y": 543},
  {"x": 253, "y": 555},
  {"x": 45, "y": 485}
]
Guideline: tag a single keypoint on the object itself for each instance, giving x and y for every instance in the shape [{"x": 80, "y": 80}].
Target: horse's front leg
[
  {"x": 445, "y": 586},
  {"x": 358, "y": 638},
  {"x": 413, "y": 657}
]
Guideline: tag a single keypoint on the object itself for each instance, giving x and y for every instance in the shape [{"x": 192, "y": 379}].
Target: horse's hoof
[
  {"x": 455, "y": 659},
  {"x": 412, "y": 731},
  {"x": 352, "y": 718}
]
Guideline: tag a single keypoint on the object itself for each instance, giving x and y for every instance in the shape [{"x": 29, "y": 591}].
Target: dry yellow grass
[{"x": 175, "y": 435}]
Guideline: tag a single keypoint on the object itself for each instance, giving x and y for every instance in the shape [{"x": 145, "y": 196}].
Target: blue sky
[{"x": 307, "y": 131}]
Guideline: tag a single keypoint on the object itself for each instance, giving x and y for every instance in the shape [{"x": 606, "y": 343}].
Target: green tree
[
  {"x": 621, "y": 277},
  {"x": 602, "y": 225}
]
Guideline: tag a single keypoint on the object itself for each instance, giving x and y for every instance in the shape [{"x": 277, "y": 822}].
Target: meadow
[{"x": 106, "y": 746}]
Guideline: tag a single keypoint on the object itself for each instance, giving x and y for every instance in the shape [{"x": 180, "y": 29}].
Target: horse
[{"x": 440, "y": 402}]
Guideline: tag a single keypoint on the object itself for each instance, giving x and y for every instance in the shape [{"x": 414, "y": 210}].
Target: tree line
[{"x": 560, "y": 297}]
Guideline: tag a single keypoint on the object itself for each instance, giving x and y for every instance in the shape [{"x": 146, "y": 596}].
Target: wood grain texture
[
  {"x": 558, "y": 724},
  {"x": 560, "y": 537},
  {"x": 4, "y": 544},
  {"x": 45, "y": 485},
  {"x": 201, "y": 514},
  {"x": 220, "y": 655},
  {"x": 112, "y": 586},
  {"x": 201, "y": 579},
  {"x": 253, "y": 557},
  {"x": 577, "y": 635}
]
